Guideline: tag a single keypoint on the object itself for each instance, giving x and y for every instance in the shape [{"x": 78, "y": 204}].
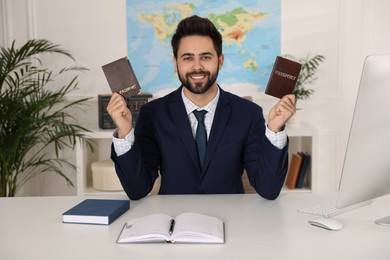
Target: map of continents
[{"x": 250, "y": 30}]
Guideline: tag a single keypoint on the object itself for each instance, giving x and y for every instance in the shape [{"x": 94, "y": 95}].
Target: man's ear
[
  {"x": 174, "y": 63},
  {"x": 220, "y": 60}
]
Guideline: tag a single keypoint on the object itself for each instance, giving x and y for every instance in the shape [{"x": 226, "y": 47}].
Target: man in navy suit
[{"x": 235, "y": 136}]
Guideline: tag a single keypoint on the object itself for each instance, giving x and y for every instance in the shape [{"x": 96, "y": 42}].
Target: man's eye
[
  {"x": 187, "y": 58},
  {"x": 206, "y": 57}
]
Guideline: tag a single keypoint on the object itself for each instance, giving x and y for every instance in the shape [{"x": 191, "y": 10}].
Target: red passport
[
  {"x": 283, "y": 77},
  {"x": 121, "y": 77}
]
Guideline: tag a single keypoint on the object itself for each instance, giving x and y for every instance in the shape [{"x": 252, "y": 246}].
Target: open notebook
[{"x": 184, "y": 228}]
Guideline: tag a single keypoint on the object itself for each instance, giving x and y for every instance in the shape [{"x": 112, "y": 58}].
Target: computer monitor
[{"x": 366, "y": 167}]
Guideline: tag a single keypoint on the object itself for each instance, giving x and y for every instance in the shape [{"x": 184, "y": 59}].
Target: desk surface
[{"x": 31, "y": 228}]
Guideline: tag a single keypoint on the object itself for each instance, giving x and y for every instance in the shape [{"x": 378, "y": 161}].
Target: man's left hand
[{"x": 281, "y": 113}]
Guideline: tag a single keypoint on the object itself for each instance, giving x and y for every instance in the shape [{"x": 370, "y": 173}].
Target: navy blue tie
[{"x": 201, "y": 135}]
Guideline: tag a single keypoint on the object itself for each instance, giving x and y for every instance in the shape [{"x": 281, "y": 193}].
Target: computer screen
[{"x": 366, "y": 167}]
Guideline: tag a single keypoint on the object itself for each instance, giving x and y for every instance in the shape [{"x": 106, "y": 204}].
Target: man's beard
[{"x": 198, "y": 88}]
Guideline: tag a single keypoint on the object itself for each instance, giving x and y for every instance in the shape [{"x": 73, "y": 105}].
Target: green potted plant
[{"x": 36, "y": 121}]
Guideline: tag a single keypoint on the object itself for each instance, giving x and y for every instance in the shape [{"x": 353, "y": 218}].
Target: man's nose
[{"x": 198, "y": 64}]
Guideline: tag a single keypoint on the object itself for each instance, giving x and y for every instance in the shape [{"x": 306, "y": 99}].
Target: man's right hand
[{"x": 120, "y": 114}]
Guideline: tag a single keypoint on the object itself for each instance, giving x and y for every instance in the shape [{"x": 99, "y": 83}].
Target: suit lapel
[
  {"x": 180, "y": 119},
  {"x": 221, "y": 118}
]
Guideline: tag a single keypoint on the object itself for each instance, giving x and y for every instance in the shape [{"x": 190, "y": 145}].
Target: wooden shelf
[{"x": 302, "y": 138}]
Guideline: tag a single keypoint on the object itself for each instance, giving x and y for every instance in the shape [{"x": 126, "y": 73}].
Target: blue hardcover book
[
  {"x": 303, "y": 169},
  {"x": 96, "y": 211}
]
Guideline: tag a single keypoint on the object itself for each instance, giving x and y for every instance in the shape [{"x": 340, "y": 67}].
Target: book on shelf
[
  {"x": 293, "y": 171},
  {"x": 303, "y": 169},
  {"x": 283, "y": 78},
  {"x": 121, "y": 77},
  {"x": 96, "y": 211},
  {"x": 184, "y": 228}
]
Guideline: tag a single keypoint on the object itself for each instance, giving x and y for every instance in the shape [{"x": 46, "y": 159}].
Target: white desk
[{"x": 31, "y": 228}]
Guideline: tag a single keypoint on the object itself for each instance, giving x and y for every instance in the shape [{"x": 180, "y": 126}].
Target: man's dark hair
[{"x": 195, "y": 25}]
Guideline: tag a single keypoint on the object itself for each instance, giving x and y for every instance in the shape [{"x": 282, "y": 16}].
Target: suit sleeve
[
  {"x": 265, "y": 164},
  {"x": 137, "y": 173}
]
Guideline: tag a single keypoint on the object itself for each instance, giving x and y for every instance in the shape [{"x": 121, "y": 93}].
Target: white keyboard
[{"x": 328, "y": 208}]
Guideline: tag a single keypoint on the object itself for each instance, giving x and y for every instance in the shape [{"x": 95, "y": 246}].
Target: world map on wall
[{"x": 250, "y": 30}]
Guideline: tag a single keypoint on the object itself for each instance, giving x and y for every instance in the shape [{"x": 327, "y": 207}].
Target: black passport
[{"x": 121, "y": 77}]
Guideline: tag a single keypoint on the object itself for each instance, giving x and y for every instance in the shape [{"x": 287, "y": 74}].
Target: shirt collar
[{"x": 210, "y": 107}]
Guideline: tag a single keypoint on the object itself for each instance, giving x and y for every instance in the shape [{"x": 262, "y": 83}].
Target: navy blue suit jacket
[{"x": 164, "y": 145}]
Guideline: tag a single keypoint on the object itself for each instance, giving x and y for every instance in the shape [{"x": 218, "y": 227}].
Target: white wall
[{"x": 344, "y": 31}]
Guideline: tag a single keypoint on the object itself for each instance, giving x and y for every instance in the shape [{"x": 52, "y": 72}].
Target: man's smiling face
[{"x": 197, "y": 63}]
